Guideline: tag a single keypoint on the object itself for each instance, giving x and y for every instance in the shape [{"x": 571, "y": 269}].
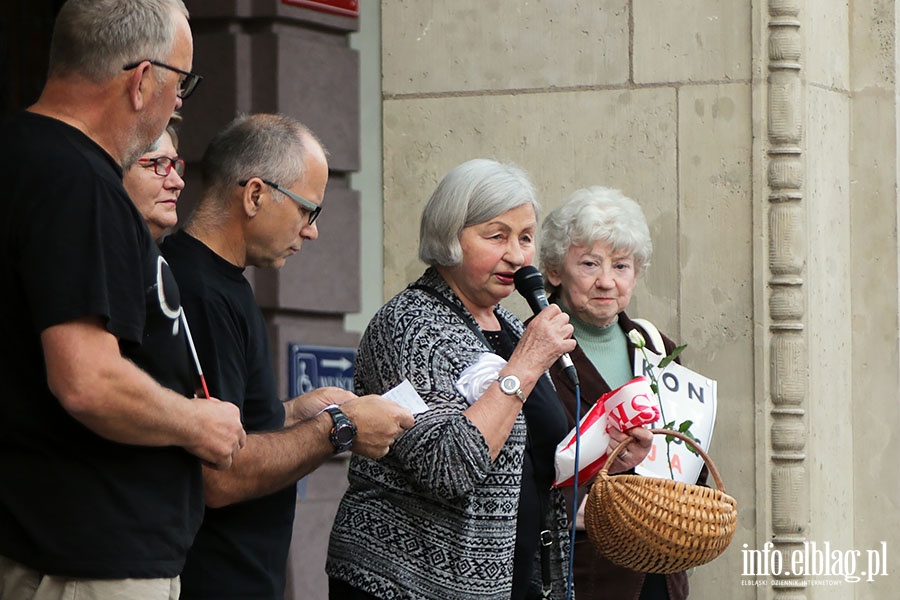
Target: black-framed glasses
[
  {"x": 186, "y": 86},
  {"x": 163, "y": 165},
  {"x": 313, "y": 208}
]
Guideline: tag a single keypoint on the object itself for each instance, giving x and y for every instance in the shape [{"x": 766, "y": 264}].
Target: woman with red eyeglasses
[{"x": 154, "y": 181}]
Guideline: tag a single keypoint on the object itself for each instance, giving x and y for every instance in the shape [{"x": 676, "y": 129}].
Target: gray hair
[
  {"x": 171, "y": 129},
  {"x": 591, "y": 215},
  {"x": 269, "y": 146},
  {"x": 96, "y": 38},
  {"x": 471, "y": 193}
]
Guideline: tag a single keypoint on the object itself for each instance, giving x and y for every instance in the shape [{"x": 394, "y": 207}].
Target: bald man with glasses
[
  {"x": 101, "y": 435},
  {"x": 264, "y": 180}
]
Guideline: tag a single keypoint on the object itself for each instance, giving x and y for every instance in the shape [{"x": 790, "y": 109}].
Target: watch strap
[{"x": 343, "y": 431}]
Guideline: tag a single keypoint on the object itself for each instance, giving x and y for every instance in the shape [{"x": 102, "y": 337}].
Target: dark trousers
[
  {"x": 341, "y": 590},
  {"x": 595, "y": 578}
]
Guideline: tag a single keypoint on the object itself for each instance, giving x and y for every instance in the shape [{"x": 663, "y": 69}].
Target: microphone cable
[{"x": 571, "y": 576}]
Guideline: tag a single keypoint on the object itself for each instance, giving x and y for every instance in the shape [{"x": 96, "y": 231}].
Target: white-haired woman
[
  {"x": 457, "y": 507},
  {"x": 593, "y": 248}
]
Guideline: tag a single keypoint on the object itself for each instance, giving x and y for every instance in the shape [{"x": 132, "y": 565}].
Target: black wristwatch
[{"x": 343, "y": 431}]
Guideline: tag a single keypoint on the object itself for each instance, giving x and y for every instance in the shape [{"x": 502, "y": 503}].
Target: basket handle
[{"x": 709, "y": 463}]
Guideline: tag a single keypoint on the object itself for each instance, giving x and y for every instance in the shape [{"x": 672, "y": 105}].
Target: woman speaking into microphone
[{"x": 461, "y": 504}]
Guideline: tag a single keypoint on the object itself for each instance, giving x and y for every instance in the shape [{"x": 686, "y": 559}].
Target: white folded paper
[{"x": 406, "y": 395}]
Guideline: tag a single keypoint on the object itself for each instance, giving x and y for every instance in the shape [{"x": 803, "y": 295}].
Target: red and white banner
[{"x": 632, "y": 405}]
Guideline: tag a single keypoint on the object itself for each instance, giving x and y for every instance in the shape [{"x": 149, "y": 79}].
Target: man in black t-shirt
[
  {"x": 100, "y": 482},
  {"x": 264, "y": 180}
]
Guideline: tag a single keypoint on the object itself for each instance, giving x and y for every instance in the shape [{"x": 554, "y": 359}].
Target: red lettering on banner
[
  {"x": 676, "y": 464},
  {"x": 620, "y": 416},
  {"x": 646, "y": 410},
  {"x": 635, "y": 413}
]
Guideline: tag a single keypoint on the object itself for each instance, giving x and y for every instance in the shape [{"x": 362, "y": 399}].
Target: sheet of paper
[
  {"x": 686, "y": 396},
  {"x": 406, "y": 395}
]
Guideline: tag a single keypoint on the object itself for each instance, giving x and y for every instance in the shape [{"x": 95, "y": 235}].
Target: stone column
[{"x": 787, "y": 357}]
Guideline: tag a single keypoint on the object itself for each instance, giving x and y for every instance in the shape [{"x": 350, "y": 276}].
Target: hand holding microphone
[{"x": 530, "y": 284}]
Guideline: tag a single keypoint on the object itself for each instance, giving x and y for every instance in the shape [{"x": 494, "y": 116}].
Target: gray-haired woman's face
[
  {"x": 491, "y": 254},
  {"x": 596, "y": 283}
]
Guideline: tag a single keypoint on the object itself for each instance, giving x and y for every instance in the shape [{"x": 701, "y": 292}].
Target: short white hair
[
  {"x": 471, "y": 193},
  {"x": 591, "y": 215}
]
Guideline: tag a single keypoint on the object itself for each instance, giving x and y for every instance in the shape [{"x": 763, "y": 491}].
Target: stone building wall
[
  {"x": 760, "y": 139},
  {"x": 759, "y": 136}
]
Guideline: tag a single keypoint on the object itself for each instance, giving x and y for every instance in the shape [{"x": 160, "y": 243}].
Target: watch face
[
  {"x": 509, "y": 384},
  {"x": 344, "y": 434},
  {"x": 343, "y": 431}
]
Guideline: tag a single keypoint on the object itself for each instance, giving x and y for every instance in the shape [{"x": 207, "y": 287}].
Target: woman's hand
[
  {"x": 547, "y": 337},
  {"x": 635, "y": 452}
]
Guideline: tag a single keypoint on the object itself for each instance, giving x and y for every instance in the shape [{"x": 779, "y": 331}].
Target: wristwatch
[
  {"x": 343, "y": 431},
  {"x": 511, "y": 386}
]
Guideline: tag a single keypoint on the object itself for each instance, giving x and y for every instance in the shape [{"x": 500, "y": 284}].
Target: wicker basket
[{"x": 655, "y": 525}]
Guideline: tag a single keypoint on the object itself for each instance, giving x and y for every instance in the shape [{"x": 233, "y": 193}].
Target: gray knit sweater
[{"x": 434, "y": 519}]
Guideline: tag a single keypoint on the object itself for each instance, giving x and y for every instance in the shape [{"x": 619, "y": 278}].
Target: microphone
[{"x": 530, "y": 284}]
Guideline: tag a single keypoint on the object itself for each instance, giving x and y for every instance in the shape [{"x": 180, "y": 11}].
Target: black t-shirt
[
  {"x": 72, "y": 244},
  {"x": 241, "y": 550}
]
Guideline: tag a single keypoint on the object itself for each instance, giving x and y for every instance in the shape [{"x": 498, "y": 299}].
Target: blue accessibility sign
[{"x": 312, "y": 367}]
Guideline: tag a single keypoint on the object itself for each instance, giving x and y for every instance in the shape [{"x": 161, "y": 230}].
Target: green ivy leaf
[
  {"x": 685, "y": 428},
  {"x": 672, "y": 356}
]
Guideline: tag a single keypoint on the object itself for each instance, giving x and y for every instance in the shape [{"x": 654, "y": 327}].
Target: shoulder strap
[{"x": 655, "y": 338}]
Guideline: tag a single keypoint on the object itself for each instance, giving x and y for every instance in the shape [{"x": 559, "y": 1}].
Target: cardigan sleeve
[{"x": 416, "y": 338}]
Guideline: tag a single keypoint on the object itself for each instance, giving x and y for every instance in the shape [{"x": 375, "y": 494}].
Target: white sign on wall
[{"x": 685, "y": 396}]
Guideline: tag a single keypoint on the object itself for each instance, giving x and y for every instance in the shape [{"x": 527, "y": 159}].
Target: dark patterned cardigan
[{"x": 436, "y": 518}]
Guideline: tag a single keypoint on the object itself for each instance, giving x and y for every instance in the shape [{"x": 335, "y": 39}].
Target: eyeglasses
[
  {"x": 313, "y": 208},
  {"x": 163, "y": 165},
  {"x": 186, "y": 86}
]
